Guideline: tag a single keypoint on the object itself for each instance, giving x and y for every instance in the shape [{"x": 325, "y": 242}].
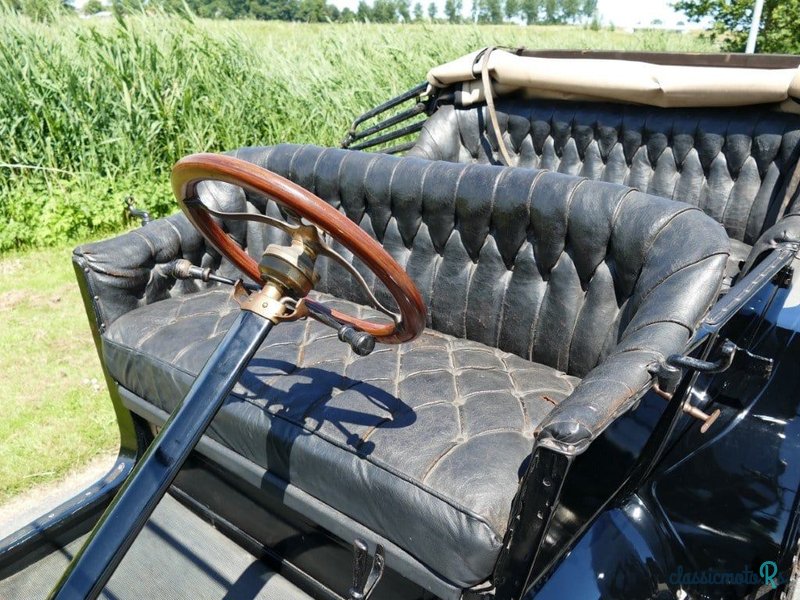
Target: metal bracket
[
  {"x": 267, "y": 302},
  {"x": 136, "y": 213},
  {"x": 364, "y": 581},
  {"x": 368, "y": 137},
  {"x": 670, "y": 372},
  {"x": 783, "y": 278}
]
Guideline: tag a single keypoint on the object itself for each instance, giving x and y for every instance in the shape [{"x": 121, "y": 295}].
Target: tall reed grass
[{"x": 93, "y": 110}]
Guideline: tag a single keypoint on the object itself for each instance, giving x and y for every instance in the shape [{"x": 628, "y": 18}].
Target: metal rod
[
  {"x": 386, "y": 123},
  {"x": 390, "y": 136},
  {"x": 94, "y": 564},
  {"x": 755, "y": 25},
  {"x": 412, "y": 93}
]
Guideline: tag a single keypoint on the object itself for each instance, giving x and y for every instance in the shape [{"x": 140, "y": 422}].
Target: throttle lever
[
  {"x": 361, "y": 342},
  {"x": 184, "y": 269}
]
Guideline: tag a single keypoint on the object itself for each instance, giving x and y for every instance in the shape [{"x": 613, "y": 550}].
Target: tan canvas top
[{"x": 618, "y": 81}]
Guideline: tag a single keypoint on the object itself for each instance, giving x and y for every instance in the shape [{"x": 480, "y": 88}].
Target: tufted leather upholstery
[
  {"x": 732, "y": 163},
  {"x": 340, "y": 426},
  {"x": 534, "y": 281}
]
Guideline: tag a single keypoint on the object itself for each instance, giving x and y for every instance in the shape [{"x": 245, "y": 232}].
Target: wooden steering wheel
[{"x": 192, "y": 170}]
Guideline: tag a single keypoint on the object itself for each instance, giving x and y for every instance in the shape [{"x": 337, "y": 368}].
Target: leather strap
[{"x": 487, "y": 91}]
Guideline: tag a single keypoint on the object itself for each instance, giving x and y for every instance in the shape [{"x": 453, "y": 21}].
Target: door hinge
[{"x": 365, "y": 577}]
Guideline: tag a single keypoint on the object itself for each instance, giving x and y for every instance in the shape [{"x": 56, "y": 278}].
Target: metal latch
[
  {"x": 783, "y": 278},
  {"x": 137, "y": 213},
  {"x": 670, "y": 372},
  {"x": 365, "y": 580}
]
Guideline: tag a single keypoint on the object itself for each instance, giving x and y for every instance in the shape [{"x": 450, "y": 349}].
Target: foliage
[
  {"x": 490, "y": 11},
  {"x": 92, "y": 7},
  {"x": 779, "y": 29},
  {"x": 452, "y": 10},
  {"x": 43, "y": 11},
  {"x": 92, "y": 111},
  {"x": 551, "y": 12}
]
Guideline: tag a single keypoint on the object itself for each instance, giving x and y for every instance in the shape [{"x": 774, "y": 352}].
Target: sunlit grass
[
  {"x": 93, "y": 109},
  {"x": 54, "y": 408}
]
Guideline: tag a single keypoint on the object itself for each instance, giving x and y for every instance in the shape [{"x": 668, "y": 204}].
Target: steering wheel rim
[{"x": 191, "y": 170}]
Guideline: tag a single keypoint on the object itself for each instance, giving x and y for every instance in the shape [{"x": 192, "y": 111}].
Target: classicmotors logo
[{"x": 767, "y": 574}]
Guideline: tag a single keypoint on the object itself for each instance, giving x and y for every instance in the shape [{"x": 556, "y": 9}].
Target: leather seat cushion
[{"x": 424, "y": 443}]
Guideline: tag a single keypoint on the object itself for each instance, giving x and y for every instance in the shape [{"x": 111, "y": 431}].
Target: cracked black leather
[
  {"x": 340, "y": 426},
  {"x": 579, "y": 279},
  {"x": 731, "y": 163}
]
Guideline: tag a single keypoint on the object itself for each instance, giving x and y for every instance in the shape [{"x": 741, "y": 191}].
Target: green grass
[
  {"x": 55, "y": 409},
  {"x": 92, "y": 112}
]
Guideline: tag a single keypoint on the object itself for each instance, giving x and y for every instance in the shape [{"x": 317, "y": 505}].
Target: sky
[{"x": 622, "y": 13}]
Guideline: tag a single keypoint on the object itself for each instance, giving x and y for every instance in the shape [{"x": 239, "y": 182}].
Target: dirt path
[{"x": 30, "y": 505}]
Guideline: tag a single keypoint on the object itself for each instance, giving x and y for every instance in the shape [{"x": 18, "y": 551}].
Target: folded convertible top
[{"x": 605, "y": 80}]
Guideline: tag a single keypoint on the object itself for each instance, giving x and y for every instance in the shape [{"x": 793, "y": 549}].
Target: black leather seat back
[
  {"x": 553, "y": 268},
  {"x": 734, "y": 163}
]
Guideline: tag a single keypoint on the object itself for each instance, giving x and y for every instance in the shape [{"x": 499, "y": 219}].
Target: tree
[
  {"x": 530, "y": 10},
  {"x": 404, "y": 10},
  {"x": 432, "y": 10},
  {"x": 452, "y": 9},
  {"x": 512, "y": 8},
  {"x": 45, "y": 11},
  {"x": 418, "y": 14},
  {"x": 552, "y": 12},
  {"x": 779, "y": 30},
  {"x": 92, "y": 7},
  {"x": 312, "y": 11},
  {"x": 571, "y": 10},
  {"x": 490, "y": 11},
  {"x": 384, "y": 11},
  {"x": 363, "y": 12}
]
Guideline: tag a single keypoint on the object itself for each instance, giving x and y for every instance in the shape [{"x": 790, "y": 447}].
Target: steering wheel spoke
[
  {"x": 287, "y": 228},
  {"x": 329, "y": 252}
]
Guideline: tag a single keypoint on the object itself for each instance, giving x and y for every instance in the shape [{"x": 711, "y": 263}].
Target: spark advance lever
[{"x": 361, "y": 342}]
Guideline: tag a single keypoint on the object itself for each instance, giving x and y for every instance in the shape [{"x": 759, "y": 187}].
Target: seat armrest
[
  {"x": 130, "y": 270},
  {"x": 785, "y": 230},
  {"x": 605, "y": 393},
  {"x": 665, "y": 320}
]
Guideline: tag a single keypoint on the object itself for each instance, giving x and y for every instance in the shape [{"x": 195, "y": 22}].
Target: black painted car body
[{"x": 715, "y": 507}]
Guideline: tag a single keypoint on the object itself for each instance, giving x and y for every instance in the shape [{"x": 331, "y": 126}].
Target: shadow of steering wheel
[{"x": 303, "y": 403}]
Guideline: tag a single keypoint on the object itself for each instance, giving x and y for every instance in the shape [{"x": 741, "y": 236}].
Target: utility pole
[{"x": 754, "y": 26}]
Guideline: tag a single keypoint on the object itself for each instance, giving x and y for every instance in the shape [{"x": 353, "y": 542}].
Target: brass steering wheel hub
[{"x": 292, "y": 267}]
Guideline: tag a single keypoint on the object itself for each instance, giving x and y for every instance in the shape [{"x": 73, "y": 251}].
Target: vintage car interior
[{"x": 548, "y": 273}]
